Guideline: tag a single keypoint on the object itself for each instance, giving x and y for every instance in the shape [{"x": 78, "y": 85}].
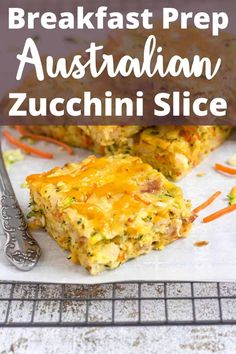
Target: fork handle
[{"x": 20, "y": 249}]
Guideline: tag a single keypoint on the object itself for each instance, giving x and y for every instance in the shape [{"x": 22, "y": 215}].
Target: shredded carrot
[
  {"x": 225, "y": 169},
  {"x": 25, "y": 133},
  {"x": 25, "y": 147},
  {"x": 139, "y": 199},
  {"x": 21, "y": 130},
  {"x": 220, "y": 213},
  {"x": 207, "y": 202},
  {"x": 121, "y": 257}
]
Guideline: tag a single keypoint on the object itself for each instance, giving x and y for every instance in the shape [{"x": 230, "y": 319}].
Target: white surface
[
  {"x": 152, "y": 340},
  {"x": 179, "y": 261}
]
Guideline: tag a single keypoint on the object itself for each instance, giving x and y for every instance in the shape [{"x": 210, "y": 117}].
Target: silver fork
[{"x": 21, "y": 249}]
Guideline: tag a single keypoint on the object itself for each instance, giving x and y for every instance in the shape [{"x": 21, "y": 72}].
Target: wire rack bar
[{"x": 117, "y": 304}]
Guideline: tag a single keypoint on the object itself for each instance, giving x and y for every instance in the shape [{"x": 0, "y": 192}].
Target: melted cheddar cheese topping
[{"x": 107, "y": 191}]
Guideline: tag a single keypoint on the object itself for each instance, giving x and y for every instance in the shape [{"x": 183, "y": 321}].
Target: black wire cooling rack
[{"x": 119, "y": 304}]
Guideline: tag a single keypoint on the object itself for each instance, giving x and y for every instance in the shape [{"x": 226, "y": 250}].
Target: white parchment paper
[{"x": 180, "y": 261}]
